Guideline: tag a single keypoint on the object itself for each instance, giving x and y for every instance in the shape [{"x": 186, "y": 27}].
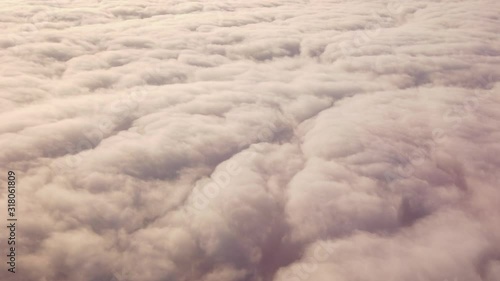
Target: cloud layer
[{"x": 234, "y": 140}]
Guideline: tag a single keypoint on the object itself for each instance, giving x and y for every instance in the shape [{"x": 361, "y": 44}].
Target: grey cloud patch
[{"x": 253, "y": 141}]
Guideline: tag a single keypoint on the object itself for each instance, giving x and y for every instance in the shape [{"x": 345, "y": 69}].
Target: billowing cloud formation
[{"x": 261, "y": 140}]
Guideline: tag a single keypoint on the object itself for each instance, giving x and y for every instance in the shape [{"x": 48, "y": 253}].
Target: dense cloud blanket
[{"x": 266, "y": 140}]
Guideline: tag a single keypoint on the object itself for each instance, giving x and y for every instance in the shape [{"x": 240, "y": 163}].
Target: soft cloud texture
[{"x": 234, "y": 140}]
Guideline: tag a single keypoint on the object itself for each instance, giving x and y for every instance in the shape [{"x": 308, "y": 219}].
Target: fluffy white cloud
[{"x": 262, "y": 140}]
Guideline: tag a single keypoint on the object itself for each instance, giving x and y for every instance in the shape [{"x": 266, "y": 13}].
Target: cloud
[{"x": 264, "y": 140}]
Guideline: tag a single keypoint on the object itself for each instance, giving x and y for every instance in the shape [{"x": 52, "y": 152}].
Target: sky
[{"x": 261, "y": 140}]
